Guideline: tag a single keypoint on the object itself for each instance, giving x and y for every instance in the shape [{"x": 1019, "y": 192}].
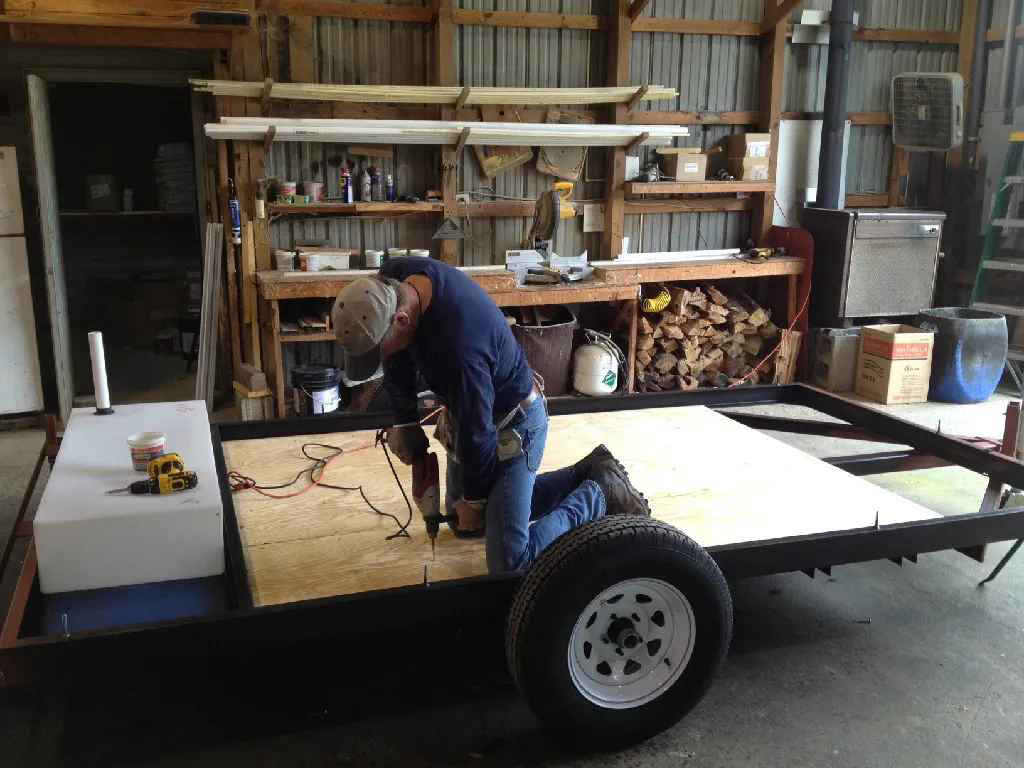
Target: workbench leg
[
  {"x": 278, "y": 358},
  {"x": 792, "y": 291},
  {"x": 634, "y": 309}
]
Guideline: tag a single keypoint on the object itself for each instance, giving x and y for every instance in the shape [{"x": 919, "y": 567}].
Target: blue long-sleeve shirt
[{"x": 468, "y": 356}]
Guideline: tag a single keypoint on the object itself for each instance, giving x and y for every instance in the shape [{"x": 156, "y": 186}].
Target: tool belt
[{"x": 447, "y": 427}]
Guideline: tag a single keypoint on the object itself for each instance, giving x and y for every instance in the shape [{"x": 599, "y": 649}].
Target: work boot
[
  {"x": 581, "y": 469},
  {"x": 620, "y": 496}
]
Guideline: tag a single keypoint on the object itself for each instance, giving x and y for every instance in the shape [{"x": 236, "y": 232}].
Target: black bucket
[
  {"x": 548, "y": 348},
  {"x": 315, "y": 389},
  {"x": 969, "y": 355}
]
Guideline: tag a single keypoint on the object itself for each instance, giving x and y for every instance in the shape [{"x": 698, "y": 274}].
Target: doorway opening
[{"x": 126, "y": 196}]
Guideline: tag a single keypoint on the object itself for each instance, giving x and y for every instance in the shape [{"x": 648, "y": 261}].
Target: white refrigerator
[{"x": 20, "y": 386}]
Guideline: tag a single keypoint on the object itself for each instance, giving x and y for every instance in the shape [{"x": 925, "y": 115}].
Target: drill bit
[{"x": 433, "y": 548}]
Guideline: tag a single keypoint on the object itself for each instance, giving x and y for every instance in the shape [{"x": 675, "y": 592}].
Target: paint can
[
  {"x": 314, "y": 190},
  {"x": 372, "y": 259},
  {"x": 144, "y": 447},
  {"x": 315, "y": 389},
  {"x": 284, "y": 260},
  {"x": 287, "y": 189}
]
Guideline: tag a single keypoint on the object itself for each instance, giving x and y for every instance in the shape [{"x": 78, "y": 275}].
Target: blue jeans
[{"x": 527, "y": 511}]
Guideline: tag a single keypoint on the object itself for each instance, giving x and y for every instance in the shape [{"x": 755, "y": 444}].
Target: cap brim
[{"x": 362, "y": 367}]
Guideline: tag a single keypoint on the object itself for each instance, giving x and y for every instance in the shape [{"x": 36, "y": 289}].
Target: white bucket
[
  {"x": 144, "y": 447},
  {"x": 372, "y": 259}
]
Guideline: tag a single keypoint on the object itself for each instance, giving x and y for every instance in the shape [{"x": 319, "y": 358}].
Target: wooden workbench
[
  {"x": 619, "y": 282},
  {"x": 723, "y": 484}
]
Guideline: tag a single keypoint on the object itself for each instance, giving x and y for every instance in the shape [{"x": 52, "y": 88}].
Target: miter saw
[{"x": 552, "y": 206}]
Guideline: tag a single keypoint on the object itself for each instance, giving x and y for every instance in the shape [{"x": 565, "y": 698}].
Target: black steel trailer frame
[{"x": 24, "y": 656}]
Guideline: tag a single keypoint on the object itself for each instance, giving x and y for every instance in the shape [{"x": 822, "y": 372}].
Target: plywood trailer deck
[{"x": 320, "y": 565}]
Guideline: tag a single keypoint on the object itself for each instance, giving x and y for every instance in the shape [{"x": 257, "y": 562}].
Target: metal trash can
[{"x": 548, "y": 348}]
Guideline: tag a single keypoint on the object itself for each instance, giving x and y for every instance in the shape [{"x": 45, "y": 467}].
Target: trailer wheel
[{"x": 618, "y": 630}]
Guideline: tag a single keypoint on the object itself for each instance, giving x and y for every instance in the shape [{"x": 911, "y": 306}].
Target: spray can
[
  {"x": 390, "y": 189},
  {"x": 236, "y": 214},
  {"x": 365, "y": 186},
  {"x": 346, "y": 186},
  {"x": 376, "y": 188}
]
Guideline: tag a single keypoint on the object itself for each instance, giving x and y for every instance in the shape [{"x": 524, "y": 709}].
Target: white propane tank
[{"x": 596, "y": 365}]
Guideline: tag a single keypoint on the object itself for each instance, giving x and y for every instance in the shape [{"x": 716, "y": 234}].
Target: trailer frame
[{"x": 25, "y": 656}]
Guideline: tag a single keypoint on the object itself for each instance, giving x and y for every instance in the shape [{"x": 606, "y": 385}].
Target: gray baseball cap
[{"x": 361, "y": 317}]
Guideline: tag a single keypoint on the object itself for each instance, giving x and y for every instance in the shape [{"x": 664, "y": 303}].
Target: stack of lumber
[
  {"x": 703, "y": 338},
  {"x": 459, "y": 133},
  {"x": 425, "y": 94}
]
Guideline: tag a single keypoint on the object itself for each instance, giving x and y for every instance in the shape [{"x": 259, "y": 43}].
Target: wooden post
[
  {"x": 300, "y": 49},
  {"x": 773, "y": 58},
  {"x": 620, "y": 43},
  {"x": 634, "y": 311},
  {"x": 965, "y": 54},
  {"x": 229, "y": 258},
  {"x": 444, "y": 74}
]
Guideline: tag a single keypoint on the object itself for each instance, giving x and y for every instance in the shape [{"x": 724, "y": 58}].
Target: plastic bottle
[
  {"x": 347, "y": 195},
  {"x": 376, "y": 188},
  {"x": 390, "y": 188},
  {"x": 365, "y": 186},
  {"x": 236, "y": 214}
]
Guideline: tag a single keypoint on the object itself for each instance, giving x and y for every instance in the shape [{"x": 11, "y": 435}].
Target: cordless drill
[{"x": 426, "y": 492}]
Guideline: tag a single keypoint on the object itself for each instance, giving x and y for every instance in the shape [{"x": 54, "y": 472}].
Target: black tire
[{"x": 558, "y": 588}]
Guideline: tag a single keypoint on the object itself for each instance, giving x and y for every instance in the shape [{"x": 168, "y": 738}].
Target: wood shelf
[
  {"x": 353, "y": 209},
  {"x": 295, "y": 338},
  {"x": 109, "y": 214},
  {"x": 695, "y": 187}
]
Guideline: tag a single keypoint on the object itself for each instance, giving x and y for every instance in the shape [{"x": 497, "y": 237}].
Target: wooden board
[{"x": 739, "y": 486}]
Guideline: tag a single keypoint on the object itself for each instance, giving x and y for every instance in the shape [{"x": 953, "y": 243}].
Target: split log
[
  {"x": 691, "y": 350},
  {"x": 643, "y": 358},
  {"x": 735, "y": 366},
  {"x": 768, "y": 330},
  {"x": 668, "y": 381},
  {"x": 645, "y": 342},
  {"x": 657, "y": 333},
  {"x": 669, "y": 318},
  {"x": 669, "y": 345},
  {"x": 739, "y": 326},
  {"x": 675, "y": 331},
  {"x": 687, "y": 382},
  {"x": 733, "y": 350},
  {"x": 752, "y": 345},
  {"x": 665, "y": 362},
  {"x": 683, "y": 297},
  {"x": 682, "y": 368},
  {"x": 694, "y": 327},
  {"x": 644, "y": 326},
  {"x": 716, "y": 295}
]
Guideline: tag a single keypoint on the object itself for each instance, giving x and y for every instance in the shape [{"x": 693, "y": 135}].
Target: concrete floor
[{"x": 877, "y": 666}]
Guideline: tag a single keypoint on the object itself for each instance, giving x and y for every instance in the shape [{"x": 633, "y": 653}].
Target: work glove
[
  {"x": 471, "y": 514},
  {"x": 407, "y": 441}
]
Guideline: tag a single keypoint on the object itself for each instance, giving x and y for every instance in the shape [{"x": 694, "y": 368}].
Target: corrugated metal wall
[{"x": 712, "y": 73}]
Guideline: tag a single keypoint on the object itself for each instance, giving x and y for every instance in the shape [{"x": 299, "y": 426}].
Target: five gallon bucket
[
  {"x": 969, "y": 355},
  {"x": 315, "y": 389},
  {"x": 548, "y": 347}
]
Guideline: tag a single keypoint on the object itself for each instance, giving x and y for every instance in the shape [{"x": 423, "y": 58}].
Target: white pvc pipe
[{"x": 99, "y": 370}]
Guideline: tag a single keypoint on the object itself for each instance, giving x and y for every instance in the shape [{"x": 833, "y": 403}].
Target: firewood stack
[{"x": 704, "y": 338}]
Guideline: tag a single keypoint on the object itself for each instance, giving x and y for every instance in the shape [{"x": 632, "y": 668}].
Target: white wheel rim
[{"x": 631, "y": 643}]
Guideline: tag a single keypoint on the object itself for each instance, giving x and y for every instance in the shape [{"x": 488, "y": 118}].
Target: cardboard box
[
  {"x": 834, "y": 358},
  {"x": 895, "y": 363},
  {"x": 683, "y": 163},
  {"x": 749, "y": 168},
  {"x": 749, "y": 145}
]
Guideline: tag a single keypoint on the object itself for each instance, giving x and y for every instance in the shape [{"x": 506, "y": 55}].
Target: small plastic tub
[
  {"x": 144, "y": 447},
  {"x": 372, "y": 259}
]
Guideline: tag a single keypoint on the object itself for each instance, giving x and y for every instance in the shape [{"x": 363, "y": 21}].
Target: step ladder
[{"x": 991, "y": 260}]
